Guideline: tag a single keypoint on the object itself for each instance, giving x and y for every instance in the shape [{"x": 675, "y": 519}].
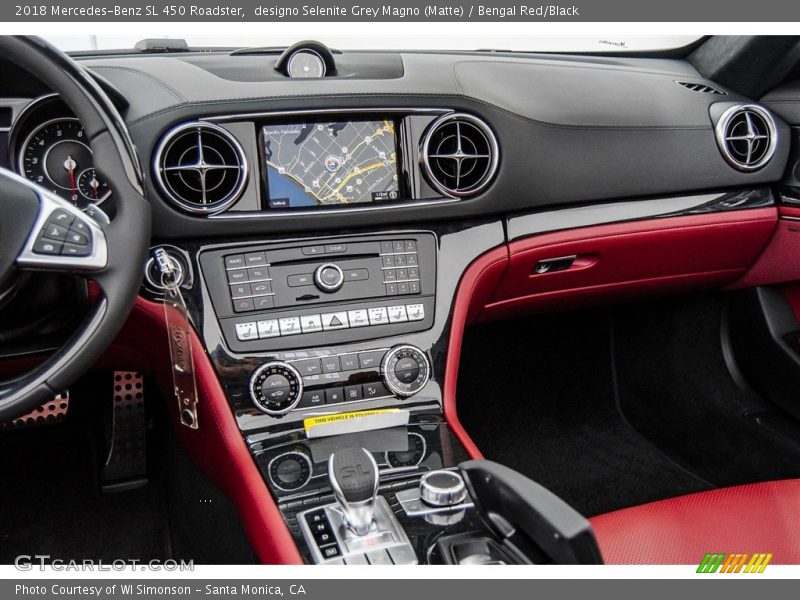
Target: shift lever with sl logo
[{"x": 353, "y": 475}]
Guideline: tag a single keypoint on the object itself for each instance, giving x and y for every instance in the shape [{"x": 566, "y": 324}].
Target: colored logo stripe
[{"x": 734, "y": 563}]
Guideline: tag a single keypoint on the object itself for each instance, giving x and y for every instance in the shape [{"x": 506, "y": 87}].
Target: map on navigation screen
[{"x": 331, "y": 163}]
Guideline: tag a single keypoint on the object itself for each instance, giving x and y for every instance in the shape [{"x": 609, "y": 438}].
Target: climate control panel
[{"x": 279, "y": 387}]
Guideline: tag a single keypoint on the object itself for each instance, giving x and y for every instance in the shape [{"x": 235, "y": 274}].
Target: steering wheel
[{"x": 112, "y": 255}]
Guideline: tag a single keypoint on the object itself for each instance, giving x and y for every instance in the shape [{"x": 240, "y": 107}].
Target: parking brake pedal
[{"x": 126, "y": 463}]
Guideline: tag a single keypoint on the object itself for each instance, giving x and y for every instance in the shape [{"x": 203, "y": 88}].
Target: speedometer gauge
[{"x": 57, "y": 156}]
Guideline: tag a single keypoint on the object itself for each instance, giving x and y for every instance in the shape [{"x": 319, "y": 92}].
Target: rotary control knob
[
  {"x": 276, "y": 388},
  {"x": 442, "y": 489},
  {"x": 290, "y": 471},
  {"x": 405, "y": 370},
  {"x": 329, "y": 277}
]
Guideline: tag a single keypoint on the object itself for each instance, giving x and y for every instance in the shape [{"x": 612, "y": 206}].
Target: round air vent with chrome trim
[
  {"x": 200, "y": 167},
  {"x": 747, "y": 136},
  {"x": 459, "y": 155}
]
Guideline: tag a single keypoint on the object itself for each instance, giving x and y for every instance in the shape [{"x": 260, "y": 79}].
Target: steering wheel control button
[
  {"x": 329, "y": 277},
  {"x": 276, "y": 388},
  {"x": 42, "y": 246},
  {"x": 405, "y": 370},
  {"x": 337, "y": 320},
  {"x": 62, "y": 218},
  {"x": 442, "y": 489},
  {"x": 55, "y": 232}
]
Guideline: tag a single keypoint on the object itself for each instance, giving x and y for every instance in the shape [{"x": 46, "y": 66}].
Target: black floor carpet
[
  {"x": 623, "y": 406},
  {"x": 51, "y": 504}
]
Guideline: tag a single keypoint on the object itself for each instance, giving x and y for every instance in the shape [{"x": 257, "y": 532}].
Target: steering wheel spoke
[{"x": 62, "y": 237}]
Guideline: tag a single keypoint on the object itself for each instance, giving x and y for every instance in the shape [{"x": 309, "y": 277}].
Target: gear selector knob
[{"x": 353, "y": 475}]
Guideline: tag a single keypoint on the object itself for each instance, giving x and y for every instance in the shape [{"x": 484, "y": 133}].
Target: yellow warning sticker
[{"x": 312, "y": 422}]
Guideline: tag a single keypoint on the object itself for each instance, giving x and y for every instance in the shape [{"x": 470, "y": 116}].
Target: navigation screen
[{"x": 330, "y": 163}]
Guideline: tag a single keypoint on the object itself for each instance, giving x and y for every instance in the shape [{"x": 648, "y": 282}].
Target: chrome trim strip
[{"x": 327, "y": 111}]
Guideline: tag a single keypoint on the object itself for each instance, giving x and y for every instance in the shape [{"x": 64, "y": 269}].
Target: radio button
[
  {"x": 411, "y": 245},
  {"x": 356, "y": 275},
  {"x": 389, "y": 275},
  {"x": 412, "y": 260},
  {"x": 358, "y": 318},
  {"x": 262, "y": 288},
  {"x": 234, "y": 261},
  {"x": 268, "y": 329},
  {"x": 400, "y": 260},
  {"x": 264, "y": 302},
  {"x": 413, "y": 287},
  {"x": 300, "y": 280},
  {"x": 391, "y": 289},
  {"x": 243, "y": 305},
  {"x": 337, "y": 320},
  {"x": 237, "y": 276},
  {"x": 386, "y": 247},
  {"x": 398, "y": 246},
  {"x": 258, "y": 273},
  {"x": 241, "y": 291},
  {"x": 314, "y": 250},
  {"x": 255, "y": 259},
  {"x": 378, "y": 316},
  {"x": 246, "y": 331},
  {"x": 290, "y": 326},
  {"x": 311, "y": 323},
  {"x": 397, "y": 314},
  {"x": 388, "y": 261}
]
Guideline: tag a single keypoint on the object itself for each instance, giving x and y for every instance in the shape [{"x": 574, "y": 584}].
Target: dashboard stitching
[
  {"x": 152, "y": 78},
  {"x": 599, "y": 127}
]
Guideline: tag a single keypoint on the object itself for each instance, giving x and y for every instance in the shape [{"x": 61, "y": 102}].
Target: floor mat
[
  {"x": 50, "y": 502},
  {"x": 676, "y": 389},
  {"x": 538, "y": 396}
]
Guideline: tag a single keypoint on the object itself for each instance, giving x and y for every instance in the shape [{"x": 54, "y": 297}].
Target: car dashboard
[{"x": 334, "y": 234}]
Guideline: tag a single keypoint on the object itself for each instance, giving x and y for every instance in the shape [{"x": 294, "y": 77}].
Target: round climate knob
[
  {"x": 329, "y": 277},
  {"x": 442, "y": 488},
  {"x": 405, "y": 370},
  {"x": 276, "y": 388}
]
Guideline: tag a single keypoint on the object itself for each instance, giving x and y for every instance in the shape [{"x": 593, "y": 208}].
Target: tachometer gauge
[
  {"x": 57, "y": 156},
  {"x": 92, "y": 187}
]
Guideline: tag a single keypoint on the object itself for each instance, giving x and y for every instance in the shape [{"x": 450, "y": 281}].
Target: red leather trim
[
  {"x": 477, "y": 284},
  {"x": 217, "y": 447},
  {"x": 761, "y": 517},
  {"x": 789, "y": 211},
  {"x": 625, "y": 260},
  {"x": 779, "y": 261}
]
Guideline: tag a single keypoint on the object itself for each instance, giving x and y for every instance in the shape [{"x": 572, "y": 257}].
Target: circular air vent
[
  {"x": 459, "y": 155},
  {"x": 201, "y": 167},
  {"x": 747, "y": 137}
]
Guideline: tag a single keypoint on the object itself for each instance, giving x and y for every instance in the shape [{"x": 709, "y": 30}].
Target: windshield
[{"x": 517, "y": 43}]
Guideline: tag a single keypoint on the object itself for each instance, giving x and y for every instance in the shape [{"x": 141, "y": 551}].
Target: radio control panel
[{"x": 321, "y": 292}]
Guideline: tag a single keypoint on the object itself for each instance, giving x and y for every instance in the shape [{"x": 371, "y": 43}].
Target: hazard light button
[{"x": 337, "y": 320}]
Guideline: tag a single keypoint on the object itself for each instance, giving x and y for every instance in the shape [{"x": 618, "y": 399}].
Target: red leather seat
[{"x": 760, "y": 517}]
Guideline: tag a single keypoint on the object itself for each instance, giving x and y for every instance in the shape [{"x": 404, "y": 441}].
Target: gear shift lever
[{"x": 353, "y": 475}]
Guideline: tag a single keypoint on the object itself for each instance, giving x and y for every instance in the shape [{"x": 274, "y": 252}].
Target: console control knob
[
  {"x": 290, "y": 471},
  {"x": 329, "y": 277},
  {"x": 442, "y": 488},
  {"x": 405, "y": 370},
  {"x": 276, "y": 388}
]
